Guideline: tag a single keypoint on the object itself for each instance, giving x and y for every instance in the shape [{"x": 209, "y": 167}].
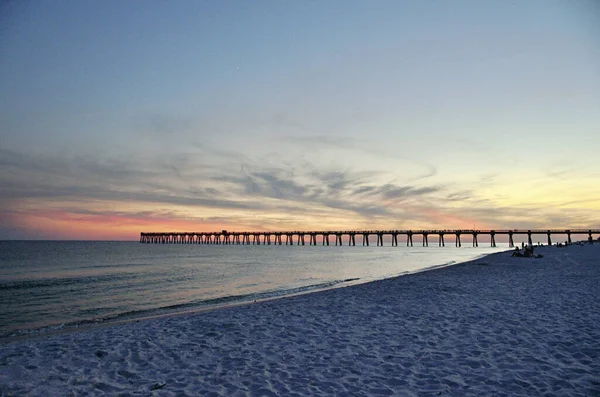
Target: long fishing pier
[{"x": 276, "y": 238}]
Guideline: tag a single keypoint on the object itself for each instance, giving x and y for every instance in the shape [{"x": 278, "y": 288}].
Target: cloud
[
  {"x": 315, "y": 142},
  {"x": 168, "y": 182},
  {"x": 272, "y": 185},
  {"x": 331, "y": 189},
  {"x": 461, "y": 195},
  {"x": 208, "y": 197},
  {"x": 76, "y": 178},
  {"x": 364, "y": 189},
  {"x": 252, "y": 193},
  {"x": 389, "y": 191},
  {"x": 337, "y": 182}
]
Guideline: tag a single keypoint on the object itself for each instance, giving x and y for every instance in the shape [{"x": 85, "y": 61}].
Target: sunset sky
[{"x": 118, "y": 117}]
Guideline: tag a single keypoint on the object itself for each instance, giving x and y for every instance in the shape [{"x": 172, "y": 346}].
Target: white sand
[{"x": 498, "y": 326}]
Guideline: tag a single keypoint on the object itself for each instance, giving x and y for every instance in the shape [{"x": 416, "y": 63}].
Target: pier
[{"x": 324, "y": 237}]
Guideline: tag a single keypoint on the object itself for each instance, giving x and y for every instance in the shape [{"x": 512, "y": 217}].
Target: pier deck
[{"x": 311, "y": 237}]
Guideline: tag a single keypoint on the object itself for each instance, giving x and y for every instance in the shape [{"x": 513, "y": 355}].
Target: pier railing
[{"x": 310, "y": 237}]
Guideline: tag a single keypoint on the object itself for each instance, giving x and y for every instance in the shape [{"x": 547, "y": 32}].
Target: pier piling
[{"x": 254, "y": 238}]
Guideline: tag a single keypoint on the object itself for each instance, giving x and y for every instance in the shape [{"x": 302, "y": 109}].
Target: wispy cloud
[{"x": 230, "y": 189}]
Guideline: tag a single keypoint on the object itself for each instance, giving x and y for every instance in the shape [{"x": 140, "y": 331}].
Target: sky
[{"x": 144, "y": 116}]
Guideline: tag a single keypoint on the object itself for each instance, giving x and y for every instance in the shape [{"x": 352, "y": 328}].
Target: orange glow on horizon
[
  {"x": 64, "y": 225},
  {"x": 59, "y": 224}
]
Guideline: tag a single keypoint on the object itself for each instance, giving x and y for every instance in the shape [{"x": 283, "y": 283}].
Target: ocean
[{"x": 53, "y": 285}]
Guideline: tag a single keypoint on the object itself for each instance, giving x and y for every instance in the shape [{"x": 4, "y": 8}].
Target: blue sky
[{"x": 121, "y": 116}]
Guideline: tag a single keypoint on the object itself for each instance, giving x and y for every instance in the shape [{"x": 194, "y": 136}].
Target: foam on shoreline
[{"x": 494, "y": 326}]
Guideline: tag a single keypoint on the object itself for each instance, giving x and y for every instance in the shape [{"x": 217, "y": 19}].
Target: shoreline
[
  {"x": 48, "y": 331},
  {"x": 496, "y": 325}
]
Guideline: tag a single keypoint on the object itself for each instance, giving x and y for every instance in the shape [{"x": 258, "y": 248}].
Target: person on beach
[{"x": 528, "y": 253}]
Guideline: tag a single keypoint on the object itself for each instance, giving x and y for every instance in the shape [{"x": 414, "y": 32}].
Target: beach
[{"x": 499, "y": 325}]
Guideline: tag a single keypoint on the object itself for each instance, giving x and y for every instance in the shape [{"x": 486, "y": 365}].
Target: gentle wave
[
  {"x": 63, "y": 281},
  {"x": 171, "y": 309}
]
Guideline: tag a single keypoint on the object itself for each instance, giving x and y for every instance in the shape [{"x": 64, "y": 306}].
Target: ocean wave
[
  {"x": 173, "y": 309},
  {"x": 63, "y": 281}
]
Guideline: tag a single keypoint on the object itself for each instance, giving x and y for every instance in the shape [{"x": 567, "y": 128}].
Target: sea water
[{"x": 48, "y": 285}]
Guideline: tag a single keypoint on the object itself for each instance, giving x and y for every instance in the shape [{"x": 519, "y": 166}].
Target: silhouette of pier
[{"x": 311, "y": 237}]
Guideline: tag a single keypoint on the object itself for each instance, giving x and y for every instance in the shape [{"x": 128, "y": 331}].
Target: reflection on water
[{"x": 51, "y": 283}]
